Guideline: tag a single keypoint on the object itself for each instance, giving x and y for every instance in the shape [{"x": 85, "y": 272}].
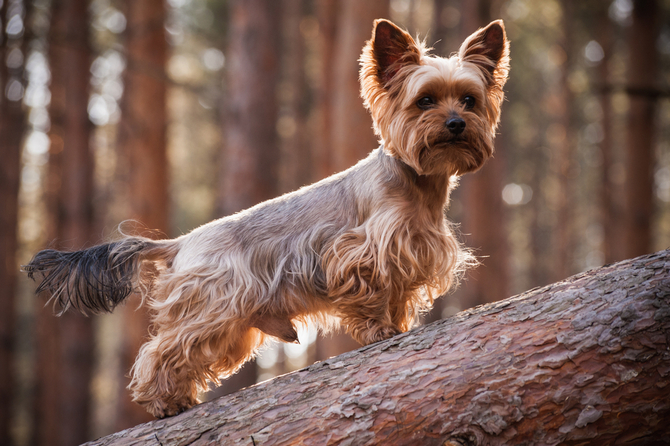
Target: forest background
[{"x": 171, "y": 114}]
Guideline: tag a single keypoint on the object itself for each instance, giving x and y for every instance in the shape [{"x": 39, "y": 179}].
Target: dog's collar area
[{"x": 411, "y": 173}]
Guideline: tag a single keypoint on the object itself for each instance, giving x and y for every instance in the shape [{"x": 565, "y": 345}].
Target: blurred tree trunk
[
  {"x": 352, "y": 135},
  {"x": 348, "y": 135},
  {"x": 642, "y": 74},
  {"x": 483, "y": 221},
  {"x": 563, "y": 139},
  {"x": 444, "y": 31},
  {"x": 65, "y": 344},
  {"x": 541, "y": 267},
  {"x": 251, "y": 152},
  {"x": 12, "y": 128},
  {"x": 249, "y": 171},
  {"x": 610, "y": 193},
  {"x": 333, "y": 345},
  {"x": 296, "y": 153},
  {"x": 142, "y": 141},
  {"x": 327, "y": 12}
]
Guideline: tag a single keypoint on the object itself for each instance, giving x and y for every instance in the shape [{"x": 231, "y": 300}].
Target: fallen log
[{"x": 582, "y": 361}]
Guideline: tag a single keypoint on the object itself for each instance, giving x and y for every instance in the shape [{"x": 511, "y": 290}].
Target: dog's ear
[
  {"x": 392, "y": 48},
  {"x": 488, "y": 48}
]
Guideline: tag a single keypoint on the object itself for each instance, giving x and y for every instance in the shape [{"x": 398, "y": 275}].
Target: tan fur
[{"x": 368, "y": 249}]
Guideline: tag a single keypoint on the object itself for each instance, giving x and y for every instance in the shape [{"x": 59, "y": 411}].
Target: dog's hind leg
[
  {"x": 198, "y": 336},
  {"x": 175, "y": 365},
  {"x": 160, "y": 379}
]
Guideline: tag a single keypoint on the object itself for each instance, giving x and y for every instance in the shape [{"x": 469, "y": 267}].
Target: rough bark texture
[{"x": 583, "y": 361}]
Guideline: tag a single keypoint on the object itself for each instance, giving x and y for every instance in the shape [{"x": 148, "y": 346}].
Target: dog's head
[{"x": 438, "y": 115}]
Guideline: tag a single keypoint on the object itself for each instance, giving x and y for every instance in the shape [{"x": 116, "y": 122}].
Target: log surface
[{"x": 582, "y": 361}]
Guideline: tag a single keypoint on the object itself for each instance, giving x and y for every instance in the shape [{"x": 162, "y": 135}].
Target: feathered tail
[{"x": 97, "y": 279}]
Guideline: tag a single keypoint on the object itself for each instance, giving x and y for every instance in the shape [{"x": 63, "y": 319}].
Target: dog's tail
[{"x": 97, "y": 279}]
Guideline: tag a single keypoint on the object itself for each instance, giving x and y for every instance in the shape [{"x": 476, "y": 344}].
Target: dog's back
[{"x": 369, "y": 246}]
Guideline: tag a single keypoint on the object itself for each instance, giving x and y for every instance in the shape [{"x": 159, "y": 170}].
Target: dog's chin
[{"x": 451, "y": 156}]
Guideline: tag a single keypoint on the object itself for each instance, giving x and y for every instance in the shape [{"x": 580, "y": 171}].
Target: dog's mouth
[
  {"x": 462, "y": 154},
  {"x": 452, "y": 143},
  {"x": 448, "y": 140}
]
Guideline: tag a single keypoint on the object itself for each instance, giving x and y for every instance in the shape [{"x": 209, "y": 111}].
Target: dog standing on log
[{"x": 368, "y": 248}]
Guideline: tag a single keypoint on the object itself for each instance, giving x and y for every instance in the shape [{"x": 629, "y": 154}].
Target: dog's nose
[{"x": 456, "y": 125}]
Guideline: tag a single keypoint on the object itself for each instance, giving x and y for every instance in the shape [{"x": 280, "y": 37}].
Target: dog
[{"x": 368, "y": 249}]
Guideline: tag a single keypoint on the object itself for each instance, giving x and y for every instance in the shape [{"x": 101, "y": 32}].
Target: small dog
[{"x": 368, "y": 248}]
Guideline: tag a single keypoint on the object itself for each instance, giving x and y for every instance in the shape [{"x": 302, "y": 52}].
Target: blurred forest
[{"x": 169, "y": 114}]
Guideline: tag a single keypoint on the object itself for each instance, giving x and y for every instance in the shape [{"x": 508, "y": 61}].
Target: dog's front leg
[
  {"x": 360, "y": 293},
  {"x": 367, "y": 318}
]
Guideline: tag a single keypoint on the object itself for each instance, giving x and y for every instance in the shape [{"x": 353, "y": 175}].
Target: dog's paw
[
  {"x": 379, "y": 334},
  {"x": 161, "y": 409},
  {"x": 157, "y": 408}
]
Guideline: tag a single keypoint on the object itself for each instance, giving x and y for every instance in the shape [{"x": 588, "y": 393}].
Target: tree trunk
[
  {"x": 642, "y": 74},
  {"x": 481, "y": 195},
  {"x": 12, "y": 128},
  {"x": 65, "y": 344},
  {"x": 251, "y": 152},
  {"x": 444, "y": 33},
  {"x": 352, "y": 133},
  {"x": 297, "y": 166},
  {"x": 327, "y": 13},
  {"x": 611, "y": 194},
  {"x": 563, "y": 165},
  {"x": 142, "y": 141},
  {"x": 582, "y": 361}
]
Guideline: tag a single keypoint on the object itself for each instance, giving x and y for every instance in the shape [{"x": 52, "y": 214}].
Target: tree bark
[{"x": 582, "y": 361}]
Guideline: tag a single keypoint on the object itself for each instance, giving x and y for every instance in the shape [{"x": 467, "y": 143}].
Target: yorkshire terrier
[{"x": 368, "y": 248}]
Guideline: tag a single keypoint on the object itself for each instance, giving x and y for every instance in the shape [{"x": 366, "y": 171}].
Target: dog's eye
[
  {"x": 469, "y": 102},
  {"x": 425, "y": 103}
]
